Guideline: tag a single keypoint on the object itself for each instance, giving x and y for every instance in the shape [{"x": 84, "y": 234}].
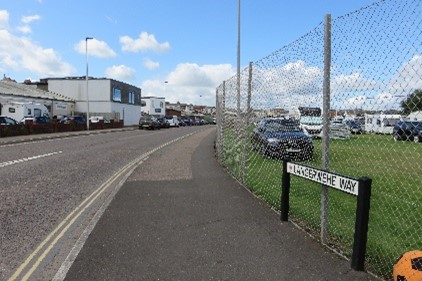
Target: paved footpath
[{"x": 180, "y": 216}]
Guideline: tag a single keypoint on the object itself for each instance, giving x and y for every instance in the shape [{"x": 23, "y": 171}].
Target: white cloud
[
  {"x": 120, "y": 72},
  {"x": 193, "y": 75},
  {"x": 25, "y": 29},
  {"x": 408, "y": 77},
  {"x": 4, "y": 19},
  {"x": 150, "y": 64},
  {"x": 29, "y": 19},
  {"x": 190, "y": 83},
  {"x": 96, "y": 48},
  {"x": 292, "y": 84},
  {"x": 353, "y": 83},
  {"x": 145, "y": 42},
  {"x": 19, "y": 53}
]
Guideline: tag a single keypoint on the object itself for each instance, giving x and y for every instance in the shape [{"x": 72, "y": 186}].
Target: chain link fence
[{"x": 362, "y": 117}]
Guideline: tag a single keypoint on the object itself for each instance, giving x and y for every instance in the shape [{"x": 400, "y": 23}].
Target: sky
[{"x": 178, "y": 49}]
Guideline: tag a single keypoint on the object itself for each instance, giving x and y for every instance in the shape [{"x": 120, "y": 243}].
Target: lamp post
[
  {"x": 238, "y": 58},
  {"x": 86, "y": 77}
]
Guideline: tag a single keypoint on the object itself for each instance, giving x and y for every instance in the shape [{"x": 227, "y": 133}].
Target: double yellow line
[
  {"x": 72, "y": 217},
  {"x": 64, "y": 226}
]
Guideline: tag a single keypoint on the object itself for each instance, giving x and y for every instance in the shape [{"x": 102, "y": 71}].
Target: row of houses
[{"x": 69, "y": 96}]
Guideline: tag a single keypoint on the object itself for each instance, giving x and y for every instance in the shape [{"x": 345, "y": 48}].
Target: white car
[
  {"x": 96, "y": 119},
  {"x": 173, "y": 121}
]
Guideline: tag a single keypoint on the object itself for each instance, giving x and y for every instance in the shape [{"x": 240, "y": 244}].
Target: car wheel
[
  {"x": 396, "y": 137},
  {"x": 416, "y": 139}
]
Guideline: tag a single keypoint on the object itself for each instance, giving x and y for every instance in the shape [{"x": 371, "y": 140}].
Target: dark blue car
[
  {"x": 279, "y": 138},
  {"x": 408, "y": 130}
]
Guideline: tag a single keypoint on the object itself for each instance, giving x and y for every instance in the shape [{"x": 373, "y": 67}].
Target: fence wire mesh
[{"x": 274, "y": 109}]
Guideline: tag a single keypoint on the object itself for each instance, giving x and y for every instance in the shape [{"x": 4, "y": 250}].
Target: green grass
[{"x": 395, "y": 214}]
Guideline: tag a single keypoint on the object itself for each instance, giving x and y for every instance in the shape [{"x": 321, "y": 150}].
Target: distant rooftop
[{"x": 12, "y": 88}]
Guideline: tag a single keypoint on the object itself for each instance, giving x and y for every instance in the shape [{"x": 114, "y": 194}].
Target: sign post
[{"x": 361, "y": 188}]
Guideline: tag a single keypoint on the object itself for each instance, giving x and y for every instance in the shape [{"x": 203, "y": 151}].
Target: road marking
[
  {"x": 64, "y": 268},
  {"x": 76, "y": 213},
  {"x": 13, "y": 162}
]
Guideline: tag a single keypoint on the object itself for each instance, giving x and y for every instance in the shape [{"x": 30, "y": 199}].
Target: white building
[
  {"x": 107, "y": 97},
  {"x": 154, "y": 106},
  {"x": 13, "y": 93}
]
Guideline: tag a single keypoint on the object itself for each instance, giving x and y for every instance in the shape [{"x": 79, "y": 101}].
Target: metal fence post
[
  {"x": 285, "y": 192},
  {"x": 326, "y": 122},
  {"x": 361, "y": 224},
  {"x": 222, "y": 125},
  {"x": 246, "y": 127}
]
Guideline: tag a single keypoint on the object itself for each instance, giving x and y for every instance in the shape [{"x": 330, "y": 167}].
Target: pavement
[
  {"x": 36, "y": 137},
  {"x": 181, "y": 216}
]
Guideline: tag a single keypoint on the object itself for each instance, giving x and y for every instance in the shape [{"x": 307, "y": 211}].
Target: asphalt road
[
  {"x": 180, "y": 216},
  {"x": 51, "y": 188}
]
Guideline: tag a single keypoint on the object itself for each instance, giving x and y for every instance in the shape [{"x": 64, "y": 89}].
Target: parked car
[
  {"x": 181, "y": 122},
  {"x": 42, "y": 120},
  {"x": 408, "y": 130},
  {"x": 35, "y": 120},
  {"x": 96, "y": 119},
  {"x": 5, "y": 120},
  {"x": 79, "y": 119},
  {"x": 65, "y": 120},
  {"x": 148, "y": 122},
  {"x": 354, "y": 127},
  {"x": 163, "y": 123},
  {"x": 173, "y": 120},
  {"x": 279, "y": 138},
  {"x": 188, "y": 121},
  {"x": 339, "y": 130}
]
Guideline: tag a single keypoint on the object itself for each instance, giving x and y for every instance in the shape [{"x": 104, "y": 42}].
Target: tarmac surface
[{"x": 181, "y": 216}]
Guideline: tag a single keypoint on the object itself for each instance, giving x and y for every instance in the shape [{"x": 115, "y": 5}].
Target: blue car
[{"x": 279, "y": 138}]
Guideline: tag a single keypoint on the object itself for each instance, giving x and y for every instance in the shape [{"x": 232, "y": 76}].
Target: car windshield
[{"x": 282, "y": 126}]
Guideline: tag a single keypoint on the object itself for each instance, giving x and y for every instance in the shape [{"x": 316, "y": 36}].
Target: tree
[{"x": 413, "y": 102}]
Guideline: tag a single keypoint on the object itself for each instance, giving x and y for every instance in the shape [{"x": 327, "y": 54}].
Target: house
[
  {"x": 154, "y": 106},
  {"x": 114, "y": 100},
  {"x": 13, "y": 94}
]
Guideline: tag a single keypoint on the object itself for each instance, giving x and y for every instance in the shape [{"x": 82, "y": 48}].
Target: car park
[
  {"x": 279, "y": 138},
  {"x": 148, "y": 122},
  {"x": 408, "y": 130}
]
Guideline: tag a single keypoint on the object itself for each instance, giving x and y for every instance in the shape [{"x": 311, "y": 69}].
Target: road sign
[{"x": 336, "y": 181}]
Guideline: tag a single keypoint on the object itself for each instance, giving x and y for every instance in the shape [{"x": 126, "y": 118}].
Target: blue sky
[{"x": 191, "y": 44}]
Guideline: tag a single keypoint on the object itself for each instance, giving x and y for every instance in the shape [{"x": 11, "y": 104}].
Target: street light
[{"x": 86, "y": 77}]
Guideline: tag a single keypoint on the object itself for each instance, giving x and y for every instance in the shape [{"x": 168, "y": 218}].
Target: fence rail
[{"x": 368, "y": 125}]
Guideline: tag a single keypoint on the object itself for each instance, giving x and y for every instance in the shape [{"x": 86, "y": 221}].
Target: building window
[
  {"x": 131, "y": 97},
  {"x": 117, "y": 94},
  {"x": 161, "y": 104}
]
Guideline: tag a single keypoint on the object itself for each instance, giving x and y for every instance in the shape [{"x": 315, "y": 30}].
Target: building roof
[
  {"x": 83, "y": 78},
  {"x": 12, "y": 88}
]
